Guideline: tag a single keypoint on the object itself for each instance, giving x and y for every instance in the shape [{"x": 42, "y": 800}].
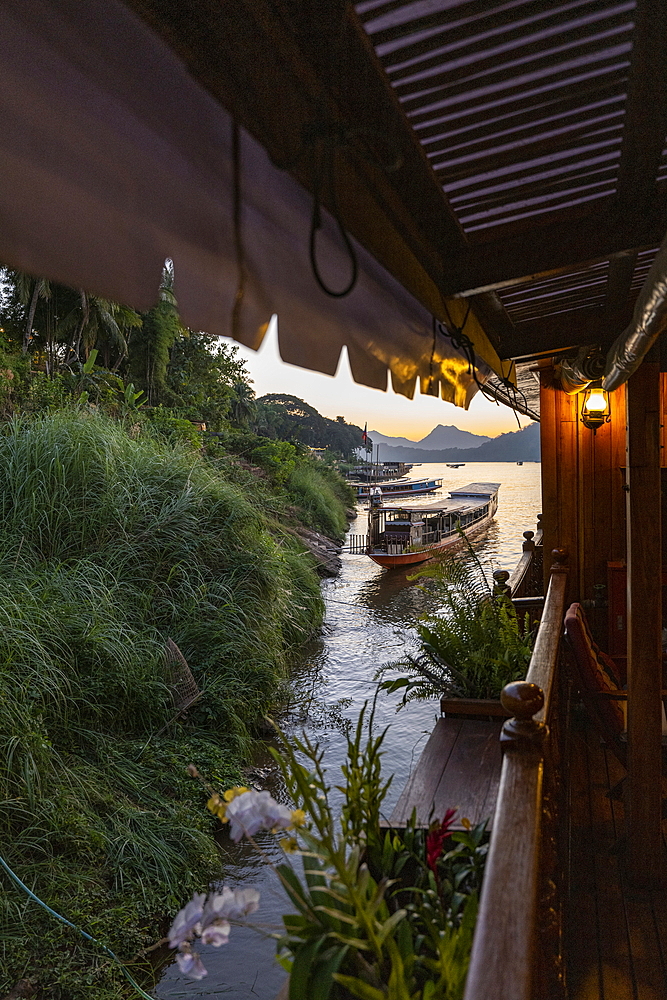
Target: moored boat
[
  {"x": 399, "y": 488},
  {"x": 405, "y": 537}
]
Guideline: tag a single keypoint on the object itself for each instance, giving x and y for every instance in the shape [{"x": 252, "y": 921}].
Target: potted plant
[
  {"x": 375, "y": 913},
  {"x": 470, "y": 649}
]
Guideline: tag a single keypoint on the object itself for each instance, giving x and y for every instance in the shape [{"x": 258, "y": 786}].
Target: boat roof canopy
[
  {"x": 438, "y": 507},
  {"x": 476, "y": 490},
  {"x": 456, "y": 504}
]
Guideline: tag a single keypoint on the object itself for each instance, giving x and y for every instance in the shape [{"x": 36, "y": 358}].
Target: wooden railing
[
  {"x": 517, "y": 951},
  {"x": 526, "y": 578}
]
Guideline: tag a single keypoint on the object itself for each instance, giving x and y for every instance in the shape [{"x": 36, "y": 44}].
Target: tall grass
[
  {"x": 321, "y": 496},
  {"x": 109, "y": 545}
]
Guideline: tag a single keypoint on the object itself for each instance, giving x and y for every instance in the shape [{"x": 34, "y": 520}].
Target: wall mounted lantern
[{"x": 595, "y": 409}]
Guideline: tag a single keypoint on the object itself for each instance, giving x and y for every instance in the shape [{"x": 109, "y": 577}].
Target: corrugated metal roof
[{"x": 519, "y": 105}]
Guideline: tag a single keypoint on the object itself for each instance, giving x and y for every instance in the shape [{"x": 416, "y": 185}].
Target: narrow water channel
[{"x": 370, "y": 618}]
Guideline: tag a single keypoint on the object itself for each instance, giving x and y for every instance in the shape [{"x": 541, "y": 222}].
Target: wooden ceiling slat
[
  {"x": 586, "y": 289},
  {"x": 545, "y": 306},
  {"x": 483, "y": 118},
  {"x": 599, "y": 178},
  {"x": 536, "y": 214},
  {"x": 580, "y": 140},
  {"x": 582, "y": 326},
  {"x": 484, "y": 66},
  {"x": 522, "y": 131},
  {"x": 535, "y": 206},
  {"x": 543, "y": 72},
  {"x": 488, "y": 24},
  {"x": 369, "y": 11},
  {"x": 605, "y": 165},
  {"x": 530, "y": 294},
  {"x": 563, "y": 82},
  {"x": 437, "y": 19},
  {"x": 597, "y": 274},
  {"x": 567, "y": 161},
  {"x": 504, "y": 27}
]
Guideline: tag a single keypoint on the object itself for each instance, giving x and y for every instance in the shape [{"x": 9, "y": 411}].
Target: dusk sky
[{"x": 385, "y": 412}]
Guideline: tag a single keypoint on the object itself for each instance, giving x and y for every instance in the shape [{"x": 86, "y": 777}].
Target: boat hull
[{"x": 449, "y": 544}]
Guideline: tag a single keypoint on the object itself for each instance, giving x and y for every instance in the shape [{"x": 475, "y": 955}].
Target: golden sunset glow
[{"x": 386, "y": 412}]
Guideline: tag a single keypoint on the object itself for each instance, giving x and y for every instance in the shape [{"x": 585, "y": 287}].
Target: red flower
[{"x": 435, "y": 839}]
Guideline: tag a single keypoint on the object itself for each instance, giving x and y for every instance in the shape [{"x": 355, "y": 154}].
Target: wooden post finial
[
  {"x": 524, "y": 700},
  {"x": 559, "y": 557},
  {"x": 500, "y": 587},
  {"x": 528, "y": 544}
]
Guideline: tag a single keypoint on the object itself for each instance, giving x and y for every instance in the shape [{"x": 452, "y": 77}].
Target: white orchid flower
[
  {"x": 186, "y": 922},
  {"x": 255, "y": 811}
]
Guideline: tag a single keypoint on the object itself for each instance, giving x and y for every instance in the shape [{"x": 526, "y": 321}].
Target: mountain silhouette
[
  {"x": 440, "y": 437},
  {"x": 516, "y": 446}
]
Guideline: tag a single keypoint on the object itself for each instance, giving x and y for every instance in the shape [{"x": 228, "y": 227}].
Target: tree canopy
[{"x": 288, "y": 417}]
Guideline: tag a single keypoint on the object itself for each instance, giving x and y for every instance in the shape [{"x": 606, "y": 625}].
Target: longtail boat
[
  {"x": 400, "y": 488},
  {"x": 405, "y": 537}
]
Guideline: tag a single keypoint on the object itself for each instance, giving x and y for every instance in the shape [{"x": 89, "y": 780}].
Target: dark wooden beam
[
  {"x": 619, "y": 280},
  {"x": 643, "y": 520},
  {"x": 493, "y": 317},
  {"x": 646, "y": 109},
  {"x": 568, "y": 329},
  {"x": 521, "y": 253}
]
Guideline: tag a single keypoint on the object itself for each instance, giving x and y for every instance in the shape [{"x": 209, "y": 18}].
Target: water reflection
[{"x": 370, "y": 616}]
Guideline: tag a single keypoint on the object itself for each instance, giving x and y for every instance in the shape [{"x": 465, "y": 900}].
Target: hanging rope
[
  {"x": 238, "y": 236},
  {"x": 68, "y": 923},
  {"x": 324, "y": 154}
]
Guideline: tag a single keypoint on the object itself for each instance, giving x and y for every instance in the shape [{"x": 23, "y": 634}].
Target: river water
[{"x": 370, "y": 617}]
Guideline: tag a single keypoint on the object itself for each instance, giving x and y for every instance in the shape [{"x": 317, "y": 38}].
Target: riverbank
[
  {"x": 370, "y": 620},
  {"x": 112, "y": 542}
]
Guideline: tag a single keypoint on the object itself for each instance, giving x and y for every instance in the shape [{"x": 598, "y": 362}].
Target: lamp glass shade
[{"x": 596, "y": 402}]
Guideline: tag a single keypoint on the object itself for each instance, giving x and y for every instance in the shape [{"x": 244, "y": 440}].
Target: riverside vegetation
[{"x": 122, "y": 526}]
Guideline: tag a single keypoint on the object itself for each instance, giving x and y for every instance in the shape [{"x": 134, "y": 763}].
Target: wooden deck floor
[
  {"x": 459, "y": 768},
  {"x": 616, "y": 939}
]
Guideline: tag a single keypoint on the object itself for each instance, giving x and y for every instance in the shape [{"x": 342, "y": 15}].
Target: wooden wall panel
[{"x": 583, "y": 500}]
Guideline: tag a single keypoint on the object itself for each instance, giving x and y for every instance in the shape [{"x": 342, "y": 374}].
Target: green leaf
[
  {"x": 294, "y": 889},
  {"x": 326, "y": 967},
  {"x": 302, "y": 965},
  {"x": 358, "y": 988},
  {"x": 389, "y": 925},
  {"x": 337, "y": 915},
  {"x": 90, "y": 363}
]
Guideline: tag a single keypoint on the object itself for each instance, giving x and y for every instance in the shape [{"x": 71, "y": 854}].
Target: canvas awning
[{"x": 114, "y": 157}]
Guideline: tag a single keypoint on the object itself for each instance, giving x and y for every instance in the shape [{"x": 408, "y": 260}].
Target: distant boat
[
  {"x": 400, "y": 488},
  {"x": 519, "y": 463},
  {"x": 399, "y": 537},
  {"x": 455, "y": 465}
]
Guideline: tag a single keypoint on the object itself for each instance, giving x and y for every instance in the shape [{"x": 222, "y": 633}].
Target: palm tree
[
  {"x": 30, "y": 290},
  {"x": 98, "y": 323},
  {"x": 242, "y": 403},
  {"x": 150, "y": 347}
]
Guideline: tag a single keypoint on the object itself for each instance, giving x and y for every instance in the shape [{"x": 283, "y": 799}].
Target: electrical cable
[{"x": 84, "y": 934}]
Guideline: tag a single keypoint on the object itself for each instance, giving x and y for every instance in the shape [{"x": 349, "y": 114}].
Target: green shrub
[{"x": 473, "y": 646}]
